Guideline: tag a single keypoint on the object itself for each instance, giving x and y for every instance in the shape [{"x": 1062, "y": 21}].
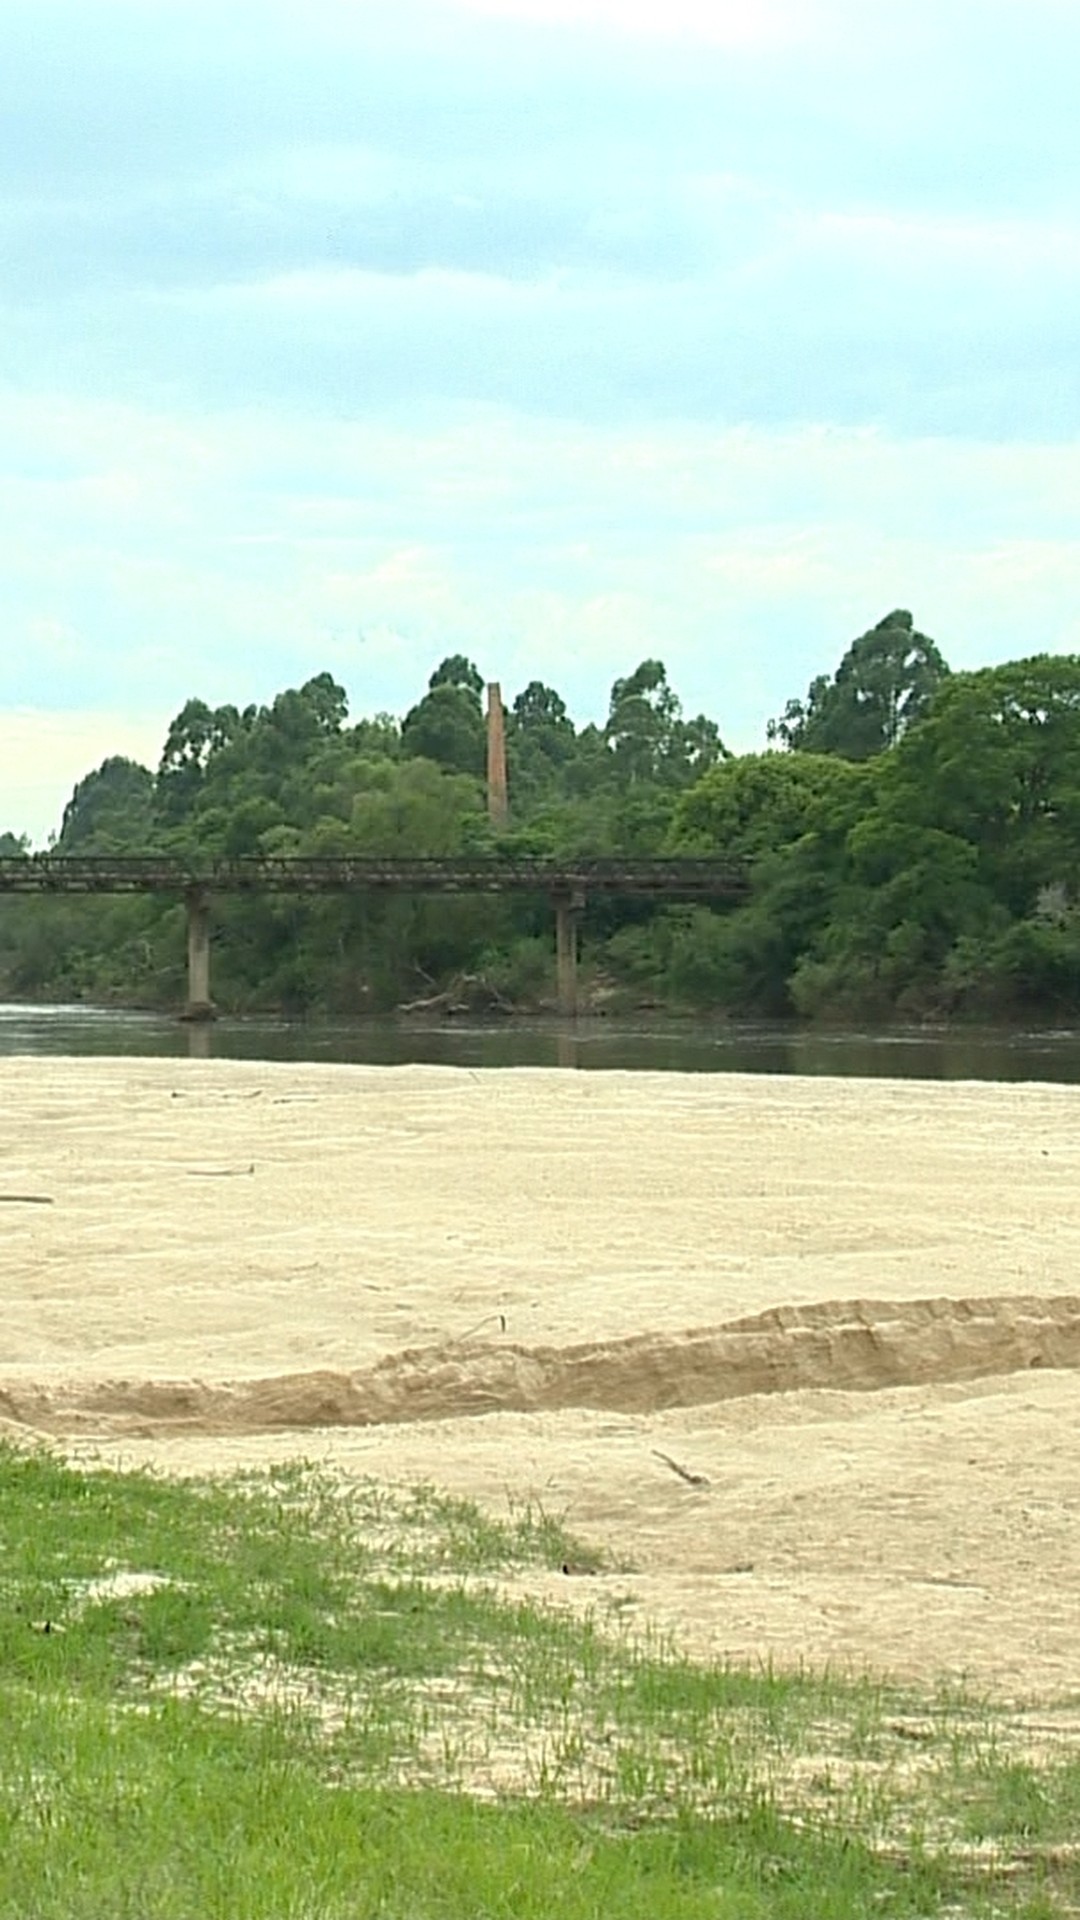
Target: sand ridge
[{"x": 837, "y": 1345}]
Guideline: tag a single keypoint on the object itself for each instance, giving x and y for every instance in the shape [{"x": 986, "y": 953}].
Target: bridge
[{"x": 567, "y": 883}]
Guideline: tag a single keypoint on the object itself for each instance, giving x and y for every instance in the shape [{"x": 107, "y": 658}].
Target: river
[{"x": 681, "y": 1046}]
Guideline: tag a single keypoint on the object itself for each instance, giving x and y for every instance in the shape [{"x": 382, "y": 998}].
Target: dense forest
[{"x": 912, "y": 837}]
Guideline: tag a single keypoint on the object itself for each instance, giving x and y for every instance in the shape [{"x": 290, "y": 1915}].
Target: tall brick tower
[{"x": 498, "y": 798}]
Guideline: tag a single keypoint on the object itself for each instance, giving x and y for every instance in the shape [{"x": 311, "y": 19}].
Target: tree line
[{"x": 912, "y": 837}]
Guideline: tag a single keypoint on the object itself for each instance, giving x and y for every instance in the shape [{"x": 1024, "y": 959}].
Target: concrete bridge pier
[
  {"x": 568, "y": 911},
  {"x": 199, "y": 1004}
]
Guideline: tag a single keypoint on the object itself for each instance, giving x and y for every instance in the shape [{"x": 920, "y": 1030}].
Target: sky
[{"x": 341, "y": 336}]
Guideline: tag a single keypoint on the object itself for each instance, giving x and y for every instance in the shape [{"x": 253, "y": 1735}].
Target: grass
[{"x": 278, "y": 1696}]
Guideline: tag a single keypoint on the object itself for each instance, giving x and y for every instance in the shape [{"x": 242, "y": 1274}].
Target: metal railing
[{"x": 673, "y": 879}]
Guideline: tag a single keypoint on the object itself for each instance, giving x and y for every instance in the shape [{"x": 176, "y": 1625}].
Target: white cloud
[
  {"x": 554, "y": 331},
  {"x": 148, "y": 559}
]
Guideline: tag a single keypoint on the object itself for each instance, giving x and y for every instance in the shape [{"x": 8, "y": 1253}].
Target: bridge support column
[
  {"x": 199, "y": 1004},
  {"x": 568, "y": 910}
]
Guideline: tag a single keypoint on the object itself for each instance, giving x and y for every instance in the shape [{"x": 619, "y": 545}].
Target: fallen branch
[
  {"x": 684, "y": 1473},
  {"x": 26, "y": 1199},
  {"x": 480, "y": 1325},
  {"x": 467, "y": 993}
]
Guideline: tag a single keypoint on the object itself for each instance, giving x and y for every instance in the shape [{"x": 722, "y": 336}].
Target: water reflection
[
  {"x": 200, "y": 1039},
  {"x": 591, "y": 1045}
]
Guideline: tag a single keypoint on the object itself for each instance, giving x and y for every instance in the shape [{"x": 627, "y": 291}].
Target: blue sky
[{"x": 560, "y": 332}]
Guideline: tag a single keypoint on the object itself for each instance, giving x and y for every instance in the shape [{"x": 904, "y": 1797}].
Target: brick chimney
[{"x": 498, "y": 800}]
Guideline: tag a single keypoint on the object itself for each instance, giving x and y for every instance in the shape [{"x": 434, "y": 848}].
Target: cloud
[
  {"x": 345, "y": 337},
  {"x": 147, "y": 560},
  {"x": 922, "y": 103},
  {"x": 819, "y": 322},
  {"x": 350, "y": 209}
]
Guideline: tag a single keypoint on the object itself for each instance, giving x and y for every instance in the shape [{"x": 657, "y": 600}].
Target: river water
[{"x": 681, "y": 1046}]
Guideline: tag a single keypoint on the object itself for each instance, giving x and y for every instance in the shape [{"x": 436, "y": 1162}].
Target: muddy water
[{"x": 923, "y": 1053}]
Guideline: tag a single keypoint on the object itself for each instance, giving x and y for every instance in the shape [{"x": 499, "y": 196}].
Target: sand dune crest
[{"x": 849, "y": 1345}]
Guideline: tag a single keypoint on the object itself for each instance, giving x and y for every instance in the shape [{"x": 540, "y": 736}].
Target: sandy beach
[{"x": 849, "y": 1311}]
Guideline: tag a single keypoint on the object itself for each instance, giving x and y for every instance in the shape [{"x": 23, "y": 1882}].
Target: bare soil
[{"x": 848, "y": 1311}]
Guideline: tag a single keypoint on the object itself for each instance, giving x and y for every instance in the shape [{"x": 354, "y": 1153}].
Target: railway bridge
[{"x": 566, "y": 883}]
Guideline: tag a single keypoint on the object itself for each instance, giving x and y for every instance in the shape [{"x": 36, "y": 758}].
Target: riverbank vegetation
[
  {"x": 282, "y": 1694},
  {"x": 912, "y": 837}
]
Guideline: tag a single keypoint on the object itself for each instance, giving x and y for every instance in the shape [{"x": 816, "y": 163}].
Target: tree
[
  {"x": 975, "y": 826},
  {"x": 939, "y": 874},
  {"x": 326, "y": 701},
  {"x": 380, "y": 734},
  {"x": 539, "y": 718},
  {"x": 303, "y": 715},
  {"x": 752, "y": 807},
  {"x": 447, "y": 726},
  {"x": 197, "y": 732},
  {"x": 647, "y": 736},
  {"x": 540, "y": 741},
  {"x": 911, "y": 894},
  {"x": 997, "y": 763},
  {"x": 883, "y": 685},
  {"x": 456, "y": 671},
  {"x": 111, "y": 811},
  {"x": 642, "y": 712},
  {"x": 789, "y": 817}
]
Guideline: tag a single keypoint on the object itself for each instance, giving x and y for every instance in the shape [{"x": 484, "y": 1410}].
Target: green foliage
[
  {"x": 540, "y": 743},
  {"x": 977, "y": 818},
  {"x": 649, "y": 741},
  {"x": 456, "y": 671},
  {"x": 926, "y": 860},
  {"x": 280, "y": 1695},
  {"x": 997, "y": 762},
  {"x": 883, "y": 685},
  {"x": 109, "y": 810},
  {"x": 447, "y": 727},
  {"x": 789, "y": 817},
  {"x": 757, "y": 805}
]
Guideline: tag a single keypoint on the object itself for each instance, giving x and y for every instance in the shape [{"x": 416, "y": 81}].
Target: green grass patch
[{"x": 280, "y": 1696}]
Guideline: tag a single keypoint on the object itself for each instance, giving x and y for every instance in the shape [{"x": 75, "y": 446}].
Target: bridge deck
[{"x": 692, "y": 879}]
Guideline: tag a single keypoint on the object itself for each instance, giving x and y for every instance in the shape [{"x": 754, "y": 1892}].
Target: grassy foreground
[{"x": 280, "y": 1697}]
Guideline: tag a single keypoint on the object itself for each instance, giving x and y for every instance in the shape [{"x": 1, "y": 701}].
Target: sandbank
[{"x": 849, "y": 1310}]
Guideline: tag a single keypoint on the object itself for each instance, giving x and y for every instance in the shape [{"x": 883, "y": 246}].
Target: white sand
[{"x": 292, "y": 1227}]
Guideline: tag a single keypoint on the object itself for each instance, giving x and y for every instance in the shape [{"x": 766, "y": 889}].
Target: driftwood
[
  {"x": 468, "y": 993},
  {"x": 684, "y": 1473}
]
